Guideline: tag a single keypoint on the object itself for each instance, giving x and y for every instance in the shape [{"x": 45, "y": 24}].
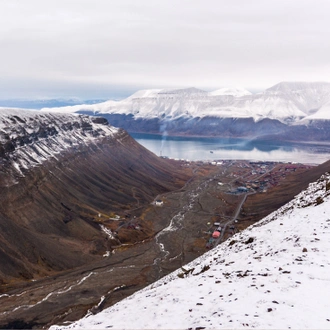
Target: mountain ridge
[
  {"x": 288, "y": 96},
  {"x": 294, "y": 105},
  {"x": 59, "y": 172},
  {"x": 28, "y": 138}
]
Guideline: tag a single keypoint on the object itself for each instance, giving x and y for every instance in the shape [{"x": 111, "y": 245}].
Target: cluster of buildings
[{"x": 262, "y": 176}]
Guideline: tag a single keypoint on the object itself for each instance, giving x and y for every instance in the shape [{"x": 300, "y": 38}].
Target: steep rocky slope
[
  {"x": 257, "y": 206},
  {"x": 60, "y": 176}
]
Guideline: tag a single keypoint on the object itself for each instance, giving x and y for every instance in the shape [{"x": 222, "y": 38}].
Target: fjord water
[{"x": 199, "y": 148}]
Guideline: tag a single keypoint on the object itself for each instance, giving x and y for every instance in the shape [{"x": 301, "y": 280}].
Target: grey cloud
[{"x": 147, "y": 43}]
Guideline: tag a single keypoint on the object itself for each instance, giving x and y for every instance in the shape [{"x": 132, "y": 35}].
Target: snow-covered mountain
[
  {"x": 282, "y": 111},
  {"x": 231, "y": 91},
  {"x": 286, "y": 102},
  {"x": 273, "y": 275}
]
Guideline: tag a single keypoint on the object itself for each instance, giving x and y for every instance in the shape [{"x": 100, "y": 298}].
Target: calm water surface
[{"x": 195, "y": 148}]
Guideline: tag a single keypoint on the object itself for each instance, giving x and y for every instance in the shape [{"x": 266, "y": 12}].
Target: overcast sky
[{"x": 111, "y": 48}]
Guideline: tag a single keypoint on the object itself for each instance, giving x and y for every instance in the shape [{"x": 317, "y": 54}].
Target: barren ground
[{"x": 153, "y": 241}]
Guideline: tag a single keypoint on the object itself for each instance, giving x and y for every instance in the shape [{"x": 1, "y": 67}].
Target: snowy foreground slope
[{"x": 273, "y": 275}]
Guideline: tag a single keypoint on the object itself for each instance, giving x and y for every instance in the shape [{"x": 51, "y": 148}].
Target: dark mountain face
[
  {"x": 317, "y": 130},
  {"x": 50, "y": 208},
  {"x": 206, "y": 126}
]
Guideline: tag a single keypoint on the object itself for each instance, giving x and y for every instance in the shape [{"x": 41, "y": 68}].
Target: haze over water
[{"x": 196, "y": 148}]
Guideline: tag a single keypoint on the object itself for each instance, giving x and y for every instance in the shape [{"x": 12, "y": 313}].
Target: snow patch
[{"x": 238, "y": 92}]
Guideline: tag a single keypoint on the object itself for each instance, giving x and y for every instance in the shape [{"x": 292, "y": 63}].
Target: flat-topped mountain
[
  {"x": 288, "y": 110},
  {"x": 61, "y": 177}
]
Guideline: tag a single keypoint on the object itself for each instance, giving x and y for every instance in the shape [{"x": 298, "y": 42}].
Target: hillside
[
  {"x": 273, "y": 275},
  {"x": 62, "y": 176},
  {"x": 289, "y": 110}
]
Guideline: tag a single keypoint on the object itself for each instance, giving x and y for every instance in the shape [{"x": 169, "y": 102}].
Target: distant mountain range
[
  {"x": 42, "y": 103},
  {"x": 288, "y": 110}
]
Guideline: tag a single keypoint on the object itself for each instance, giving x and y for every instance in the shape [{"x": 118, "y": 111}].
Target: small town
[{"x": 230, "y": 183}]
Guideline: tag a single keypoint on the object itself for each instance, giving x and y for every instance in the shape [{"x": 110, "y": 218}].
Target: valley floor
[
  {"x": 181, "y": 224},
  {"x": 273, "y": 275}
]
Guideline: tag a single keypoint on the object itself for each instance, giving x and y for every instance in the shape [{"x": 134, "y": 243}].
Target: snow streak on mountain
[
  {"x": 29, "y": 138},
  {"x": 273, "y": 275}
]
